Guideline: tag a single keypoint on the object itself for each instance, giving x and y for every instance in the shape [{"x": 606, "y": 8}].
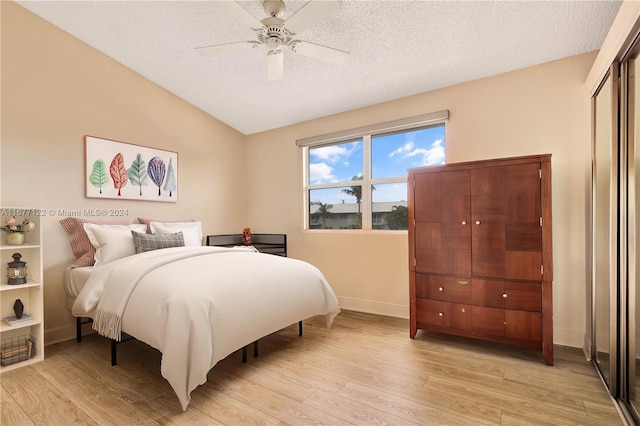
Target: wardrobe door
[
  {"x": 443, "y": 234},
  {"x": 506, "y": 222},
  {"x": 456, "y": 230},
  {"x": 428, "y": 233}
]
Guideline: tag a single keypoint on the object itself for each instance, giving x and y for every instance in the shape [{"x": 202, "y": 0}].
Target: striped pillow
[
  {"x": 147, "y": 242},
  {"x": 79, "y": 240}
]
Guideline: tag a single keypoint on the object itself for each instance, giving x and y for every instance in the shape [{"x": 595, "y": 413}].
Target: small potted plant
[{"x": 15, "y": 231}]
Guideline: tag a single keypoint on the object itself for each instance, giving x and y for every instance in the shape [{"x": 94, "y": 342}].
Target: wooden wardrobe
[{"x": 480, "y": 251}]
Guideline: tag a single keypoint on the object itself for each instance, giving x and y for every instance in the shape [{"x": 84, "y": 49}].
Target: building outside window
[{"x": 361, "y": 182}]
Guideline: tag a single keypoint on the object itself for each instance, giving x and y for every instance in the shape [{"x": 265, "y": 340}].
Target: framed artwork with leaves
[{"x": 126, "y": 171}]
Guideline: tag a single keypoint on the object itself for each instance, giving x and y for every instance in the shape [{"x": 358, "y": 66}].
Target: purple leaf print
[{"x": 156, "y": 171}]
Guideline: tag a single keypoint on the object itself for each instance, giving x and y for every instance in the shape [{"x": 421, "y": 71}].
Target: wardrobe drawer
[
  {"x": 507, "y": 323},
  {"x": 430, "y": 312},
  {"x": 526, "y": 296},
  {"x": 445, "y": 288},
  {"x": 452, "y": 316}
]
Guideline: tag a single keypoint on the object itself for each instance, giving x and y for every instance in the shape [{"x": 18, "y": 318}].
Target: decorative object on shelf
[
  {"x": 14, "y": 321},
  {"x": 15, "y": 231},
  {"x": 246, "y": 236},
  {"x": 17, "y": 270},
  {"x": 16, "y": 349},
  {"x": 14, "y": 238},
  {"x": 18, "y": 308}
]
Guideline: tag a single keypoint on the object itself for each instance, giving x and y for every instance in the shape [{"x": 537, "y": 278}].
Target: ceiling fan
[{"x": 275, "y": 32}]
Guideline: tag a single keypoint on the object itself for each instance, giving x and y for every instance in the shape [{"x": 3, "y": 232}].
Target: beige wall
[
  {"x": 543, "y": 109},
  {"x": 55, "y": 90}
]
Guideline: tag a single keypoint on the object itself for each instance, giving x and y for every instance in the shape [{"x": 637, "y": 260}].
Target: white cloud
[
  {"x": 435, "y": 154},
  {"x": 331, "y": 153},
  {"x": 325, "y": 160},
  {"x": 406, "y": 148},
  {"x": 432, "y": 155},
  {"x": 320, "y": 172}
]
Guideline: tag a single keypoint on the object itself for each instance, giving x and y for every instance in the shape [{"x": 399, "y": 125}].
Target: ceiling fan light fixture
[
  {"x": 275, "y": 65},
  {"x": 275, "y": 32},
  {"x": 273, "y": 43}
]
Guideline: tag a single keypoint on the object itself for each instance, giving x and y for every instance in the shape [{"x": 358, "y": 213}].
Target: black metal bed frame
[{"x": 114, "y": 343}]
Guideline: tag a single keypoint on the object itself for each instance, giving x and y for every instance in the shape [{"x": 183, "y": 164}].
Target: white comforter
[{"x": 199, "y": 304}]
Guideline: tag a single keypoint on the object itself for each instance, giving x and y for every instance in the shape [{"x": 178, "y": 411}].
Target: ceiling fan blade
[
  {"x": 275, "y": 65},
  {"x": 323, "y": 53},
  {"x": 241, "y": 14},
  {"x": 309, "y": 14},
  {"x": 226, "y": 48}
]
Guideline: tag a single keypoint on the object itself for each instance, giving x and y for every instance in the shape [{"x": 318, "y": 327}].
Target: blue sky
[{"x": 391, "y": 154}]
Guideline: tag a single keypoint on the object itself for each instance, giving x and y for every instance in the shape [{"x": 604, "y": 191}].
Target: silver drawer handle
[
  {"x": 477, "y": 222},
  {"x": 464, "y": 222},
  {"x": 504, "y": 295},
  {"x": 440, "y": 314},
  {"x": 440, "y": 289}
]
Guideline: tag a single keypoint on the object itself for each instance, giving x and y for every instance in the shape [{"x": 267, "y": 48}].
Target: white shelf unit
[{"x": 31, "y": 293}]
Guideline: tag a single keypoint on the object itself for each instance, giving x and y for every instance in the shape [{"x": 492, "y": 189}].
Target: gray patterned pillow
[{"x": 147, "y": 242}]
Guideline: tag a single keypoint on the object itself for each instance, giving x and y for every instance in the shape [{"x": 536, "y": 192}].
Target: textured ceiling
[{"x": 398, "y": 48}]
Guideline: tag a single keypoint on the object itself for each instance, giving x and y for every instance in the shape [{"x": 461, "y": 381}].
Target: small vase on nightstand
[{"x": 246, "y": 236}]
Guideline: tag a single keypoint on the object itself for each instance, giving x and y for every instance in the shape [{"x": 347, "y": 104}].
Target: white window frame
[{"x": 365, "y": 134}]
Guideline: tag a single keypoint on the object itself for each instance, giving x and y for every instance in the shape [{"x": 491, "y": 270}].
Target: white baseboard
[
  {"x": 374, "y": 307},
  {"x": 60, "y": 334},
  {"x": 568, "y": 338}
]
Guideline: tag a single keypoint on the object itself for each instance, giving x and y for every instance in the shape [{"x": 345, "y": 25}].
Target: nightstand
[{"x": 264, "y": 243}]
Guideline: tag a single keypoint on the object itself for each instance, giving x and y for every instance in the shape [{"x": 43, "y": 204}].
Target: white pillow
[
  {"x": 112, "y": 242},
  {"x": 192, "y": 231}
]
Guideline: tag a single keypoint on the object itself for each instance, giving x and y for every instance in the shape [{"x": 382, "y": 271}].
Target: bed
[{"x": 197, "y": 304}]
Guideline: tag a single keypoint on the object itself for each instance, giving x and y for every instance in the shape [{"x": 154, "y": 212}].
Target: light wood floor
[{"x": 364, "y": 370}]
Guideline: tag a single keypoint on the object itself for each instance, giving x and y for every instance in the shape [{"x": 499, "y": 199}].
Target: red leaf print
[{"x": 118, "y": 172}]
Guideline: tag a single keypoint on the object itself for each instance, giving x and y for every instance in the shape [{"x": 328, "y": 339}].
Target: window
[{"x": 361, "y": 182}]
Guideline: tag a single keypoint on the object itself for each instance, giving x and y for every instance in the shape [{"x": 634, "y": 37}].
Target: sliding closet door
[
  {"x": 615, "y": 340},
  {"x": 605, "y": 233},
  {"x": 632, "y": 70}
]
